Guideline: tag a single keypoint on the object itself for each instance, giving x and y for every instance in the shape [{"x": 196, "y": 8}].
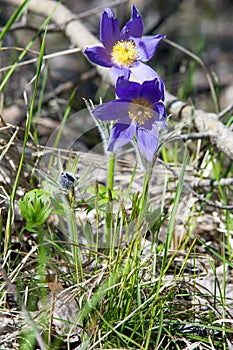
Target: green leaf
[{"x": 35, "y": 208}]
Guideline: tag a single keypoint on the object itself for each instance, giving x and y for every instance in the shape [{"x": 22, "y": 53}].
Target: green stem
[
  {"x": 111, "y": 170},
  {"x": 74, "y": 239},
  {"x": 144, "y": 199},
  {"x": 109, "y": 216},
  {"x": 145, "y": 191}
]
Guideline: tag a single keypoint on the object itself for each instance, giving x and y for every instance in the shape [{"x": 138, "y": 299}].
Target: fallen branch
[
  {"x": 194, "y": 193},
  {"x": 220, "y": 136},
  {"x": 204, "y": 122}
]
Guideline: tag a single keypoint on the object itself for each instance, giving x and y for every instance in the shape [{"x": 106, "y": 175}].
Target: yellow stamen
[
  {"x": 124, "y": 53},
  {"x": 140, "y": 110}
]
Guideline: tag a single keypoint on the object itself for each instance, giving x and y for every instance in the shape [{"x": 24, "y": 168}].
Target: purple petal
[
  {"x": 120, "y": 135},
  {"x": 147, "y": 142},
  {"x": 109, "y": 29},
  {"x": 143, "y": 72},
  {"x": 151, "y": 90},
  {"x": 147, "y": 45},
  {"x": 134, "y": 27},
  {"x": 127, "y": 90},
  {"x": 161, "y": 87},
  {"x": 113, "y": 110},
  {"x": 160, "y": 117},
  {"x": 99, "y": 55},
  {"x": 154, "y": 121},
  {"x": 117, "y": 72}
]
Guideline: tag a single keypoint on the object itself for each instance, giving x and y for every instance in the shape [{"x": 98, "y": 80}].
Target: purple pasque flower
[
  {"x": 124, "y": 51},
  {"x": 139, "y": 111}
]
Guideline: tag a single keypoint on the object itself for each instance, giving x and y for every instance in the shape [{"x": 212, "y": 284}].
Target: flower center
[
  {"x": 140, "y": 110},
  {"x": 124, "y": 53}
]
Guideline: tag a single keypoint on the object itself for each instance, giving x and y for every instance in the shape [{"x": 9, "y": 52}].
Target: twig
[
  {"x": 23, "y": 25},
  {"x": 9, "y": 144},
  {"x": 211, "y": 183},
  {"x": 196, "y": 135},
  {"x": 45, "y": 58},
  {"x": 208, "y": 183},
  {"x": 226, "y": 110},
  {"x": 194, "y": 193},
  {"x": 93, "y": 11}
]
